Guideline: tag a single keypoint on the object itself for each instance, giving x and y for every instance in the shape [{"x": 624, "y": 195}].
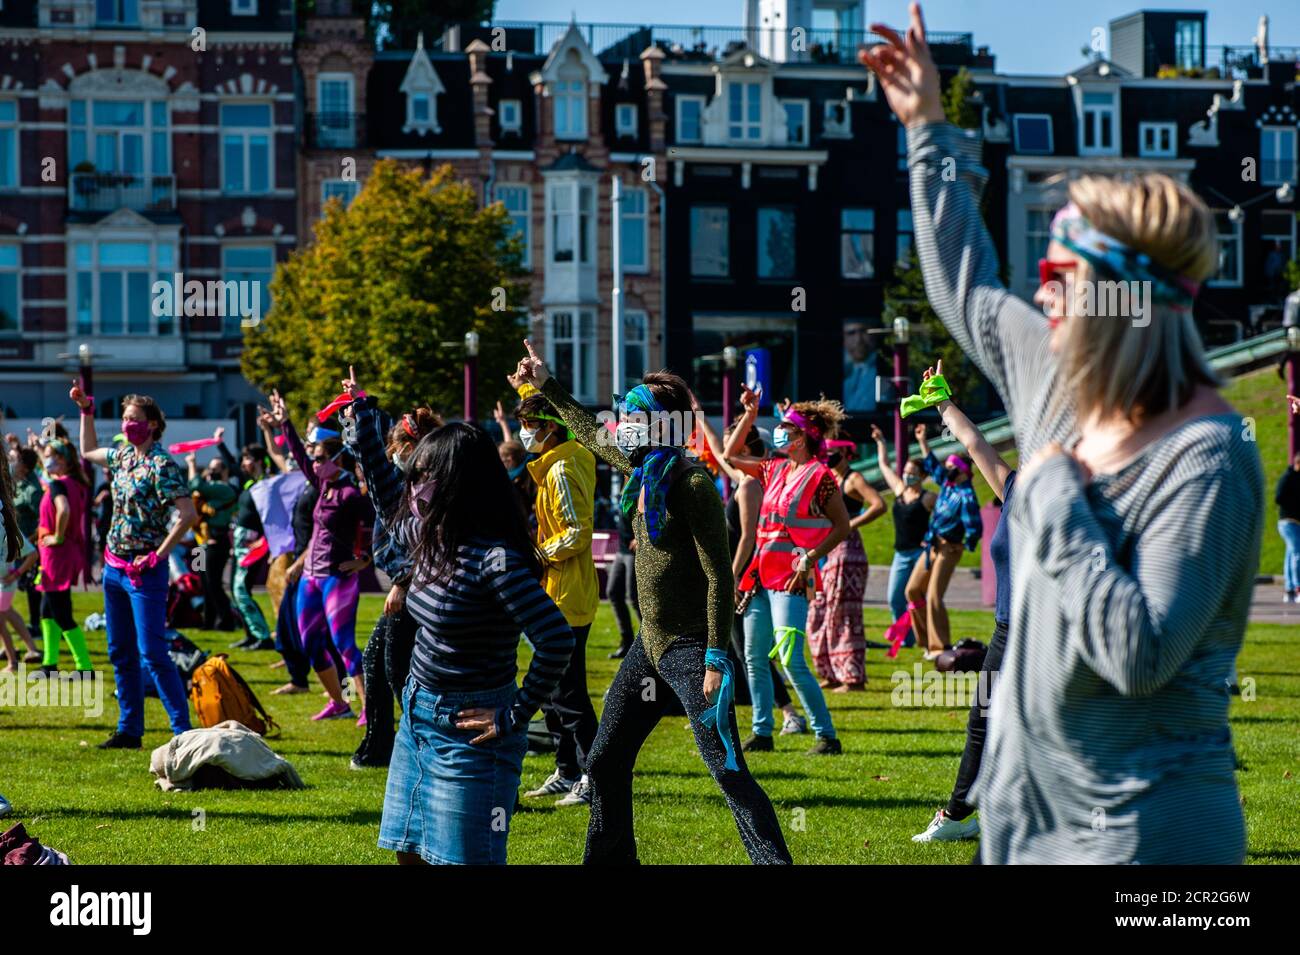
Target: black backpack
[{"x": 967, "y": 656}]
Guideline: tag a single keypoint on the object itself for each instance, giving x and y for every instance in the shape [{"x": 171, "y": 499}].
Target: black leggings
[
  {"x": 386, "y": 663},
  {"x": 977, "y": 725},
  {"x": 217, "y": 612},
  {"x": 56, "y": 605},
  {"x": 619, "y": 589},
  {"x": 629, "y": 718}
]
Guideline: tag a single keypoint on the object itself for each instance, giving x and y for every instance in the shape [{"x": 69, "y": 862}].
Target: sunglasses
[{"x": 1049, "y": 271}]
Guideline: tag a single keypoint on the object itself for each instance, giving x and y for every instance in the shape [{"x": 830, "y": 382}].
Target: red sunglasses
[{"x": 1049, "y": 270}]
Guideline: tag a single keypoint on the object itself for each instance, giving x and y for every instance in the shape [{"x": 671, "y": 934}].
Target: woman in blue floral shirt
[{"x": 146, "y": 484}]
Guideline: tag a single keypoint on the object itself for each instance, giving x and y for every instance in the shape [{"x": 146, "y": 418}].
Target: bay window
[
  {"x": 112, "y": 286},
  {"x": 571, "y": 351}
]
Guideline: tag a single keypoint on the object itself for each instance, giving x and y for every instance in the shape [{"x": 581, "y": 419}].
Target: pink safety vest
[{"x": 786, "y": 521}]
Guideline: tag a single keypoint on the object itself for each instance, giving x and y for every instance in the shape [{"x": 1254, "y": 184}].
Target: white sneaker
[
  {"x": 555, "y": 785},
  {"x": 579, "y": 795},
  {"x": 794, "y": 724},
  {"x": 943, "y": 828}
]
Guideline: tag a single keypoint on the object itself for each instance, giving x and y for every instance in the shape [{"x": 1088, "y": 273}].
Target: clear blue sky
[{"x": 1026, "y": 36}]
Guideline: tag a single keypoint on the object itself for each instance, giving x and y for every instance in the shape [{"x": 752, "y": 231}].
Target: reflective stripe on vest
[{"x": 780, "y": 534}]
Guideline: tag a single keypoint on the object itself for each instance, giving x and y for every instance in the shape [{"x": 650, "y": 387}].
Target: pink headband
[
  {"x": 803, "y": 424},
  {"x": 958, "y": 463},
  {"x": 837, "y": 443}
]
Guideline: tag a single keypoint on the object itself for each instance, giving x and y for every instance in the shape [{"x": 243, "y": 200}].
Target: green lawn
[
  {"x": 1259, "y": 396},
  {"x": 862, "y": 807}
]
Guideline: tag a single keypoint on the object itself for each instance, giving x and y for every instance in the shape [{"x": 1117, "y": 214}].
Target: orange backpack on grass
[{"x": 220, "y": 693}]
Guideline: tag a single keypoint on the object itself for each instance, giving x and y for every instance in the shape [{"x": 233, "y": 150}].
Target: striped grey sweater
[{"x": 1108, "y": 731}]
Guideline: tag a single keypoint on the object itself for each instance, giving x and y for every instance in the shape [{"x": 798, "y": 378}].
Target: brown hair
[
  {"x": 13, "y": 536},
  {"x": 152, "y": 412},
  {"x": 71, "y": 458},
  {"x": 421, "y": 420},
  {"x": 670, "y": 390}
]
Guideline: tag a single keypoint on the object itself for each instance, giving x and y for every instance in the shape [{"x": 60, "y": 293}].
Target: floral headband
[{"x": 1071, "y": 229}]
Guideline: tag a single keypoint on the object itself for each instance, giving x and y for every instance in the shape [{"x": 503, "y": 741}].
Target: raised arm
[
  {"x": 886, "y": 469},
  {"x": 990, "y": 463},
  {"x": 292, "y": 441},
  {"x": 384, "y": 479},
  {"x": 266, "y": 425},
  {"x": 90, "y": 449},
  {"x": 873, "y": 503},
  {"x": 735, "y": 475},
  {"x": 745, "y": 463}
]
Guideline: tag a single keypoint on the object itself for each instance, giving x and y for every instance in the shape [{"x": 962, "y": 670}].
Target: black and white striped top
[
  {"x": 1108, "y": 732},
  {"x": 469, "y": 629}
]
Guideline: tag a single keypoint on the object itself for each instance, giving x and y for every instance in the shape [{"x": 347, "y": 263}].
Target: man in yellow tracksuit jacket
[{"x": 565, "y": 474}]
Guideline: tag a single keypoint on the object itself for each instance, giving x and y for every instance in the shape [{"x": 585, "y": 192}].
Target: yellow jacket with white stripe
[{"x": 566, "y": 494}]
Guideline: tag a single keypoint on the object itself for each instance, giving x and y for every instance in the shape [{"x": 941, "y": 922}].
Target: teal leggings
[{"x": 248, "y": 608}]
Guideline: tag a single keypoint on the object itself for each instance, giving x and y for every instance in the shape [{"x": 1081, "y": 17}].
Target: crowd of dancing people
[{"x": 1134, "y": 520}]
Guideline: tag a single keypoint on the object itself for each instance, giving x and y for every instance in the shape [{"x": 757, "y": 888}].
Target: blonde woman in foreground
[{"x": 1136, "y": 529}]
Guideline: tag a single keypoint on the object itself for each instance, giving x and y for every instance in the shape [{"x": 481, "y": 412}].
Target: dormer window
[
  {"x": 625, "y": 120},
  {"x": 1099, "y": 123},
  {"x": 570, "y": 95},
  {"x": 510, "y": 115},
  {"x": 422, "y": 87},
  {"x": 745, "y": 110},
  {"x": 837, "y": 121},
  {"x": 243, "y": 8}
]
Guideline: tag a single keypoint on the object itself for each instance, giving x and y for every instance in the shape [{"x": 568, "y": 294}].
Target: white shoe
[
  {"x": 579, "y": 795},
  {"x": 793, "y": 725},
  {"x": 555, "y": 785},
  {"x": 943, "y": 828}
]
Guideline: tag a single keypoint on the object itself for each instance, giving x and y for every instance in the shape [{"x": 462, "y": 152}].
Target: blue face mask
[
  {"x": 517, "y": 470},
  {"x": 780, "y": 438}
]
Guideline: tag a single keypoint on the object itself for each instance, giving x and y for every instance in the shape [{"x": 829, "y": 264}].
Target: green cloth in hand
[{"x": 933, "y": 390}]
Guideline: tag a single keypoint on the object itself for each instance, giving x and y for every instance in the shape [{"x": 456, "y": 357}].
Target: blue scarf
[
  {"x": 718, "y": 716},
  {"x": 652, "y": 473}
]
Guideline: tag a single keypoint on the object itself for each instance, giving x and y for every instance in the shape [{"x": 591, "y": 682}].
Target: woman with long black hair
[{"x": 476, "y": 583}]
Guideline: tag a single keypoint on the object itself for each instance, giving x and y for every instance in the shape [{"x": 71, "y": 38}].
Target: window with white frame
[
  {"x": 247, "y": 160},
  {"x": 344, "y": 190},
  {"x": 8, "y": 144},
  {"x": 1033, "y": 133},
  {"x": 11, "y": 316},
  {"x": 636, "y": 349},
  {"x": 572, "y": 232},
  {"x": 625, "y": 119},
  {"x": 119, "y": 136},
  {"x": 1229, "y": 251},
  {"x": 243, "y": 8},
  {"x": 571, "y": 351},
  {"x": 904, "y": 236},
  {"x": 570, "y": 96},
  {"x": 251, "y": 267},
  {"x": 1158, "y": 140},
  {"x": 837, "y": 119},
  {"x": 857, "y": 243},
  {"x": 690, "y": 119},
  {"x": 796, "y": 121},
  {"x": 710, "y": 242},
  {"x": 635, "y": 231},
  {"x": 1187, "y": 44},
  {"x": 113, "y": 281},
  {"x": 1277, "y": 155},
  {"x": 517, "y": 200},
  {"x": 745, "y": 111},
  {"x": 1277, "y": 232},
  {"x": 776, "y": 253},
  {"x": 510, "y": 115},
  {"x": 1098, "y": 121}
]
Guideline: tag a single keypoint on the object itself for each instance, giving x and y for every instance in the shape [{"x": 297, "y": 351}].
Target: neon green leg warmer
[
  {"x": 50, "y": 636},
  {"x": 77, "y": 641}
]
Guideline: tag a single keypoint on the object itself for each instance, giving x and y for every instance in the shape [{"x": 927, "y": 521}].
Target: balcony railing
[
  {"x": 336, "y": 130},
  {"x": 612, "y": 41},
  {"x": 110, "y": 191},
  {"x": 1236, "y": 61}
]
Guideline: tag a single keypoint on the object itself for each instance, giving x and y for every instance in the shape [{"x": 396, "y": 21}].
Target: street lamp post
[
  {"x": 902, "y": 334},
  {"x": 730, "y": 359},
  {"x": 471, "y": 375}
]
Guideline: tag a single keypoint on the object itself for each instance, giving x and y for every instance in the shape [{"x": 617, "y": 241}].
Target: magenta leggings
[{"x": 327, "y": 609}]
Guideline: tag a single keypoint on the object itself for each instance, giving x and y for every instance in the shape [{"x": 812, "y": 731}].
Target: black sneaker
[
  {"x": 758, "y": 744},
  {"x": 826, "y": 747},
  {"x": 120, "y": 741}
]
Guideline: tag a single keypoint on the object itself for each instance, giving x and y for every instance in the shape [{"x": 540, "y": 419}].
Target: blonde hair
[
  {"x": 1140, "y": 371},
  {"x": 827, "y": 413}
]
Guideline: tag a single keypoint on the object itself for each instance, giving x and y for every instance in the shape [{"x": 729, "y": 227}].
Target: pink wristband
[{"x": 90, "y": 408}]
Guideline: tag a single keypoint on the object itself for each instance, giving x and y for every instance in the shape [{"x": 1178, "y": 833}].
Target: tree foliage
[
  {"x": 403, "y": 19},
  {"x": 391, "y": 285},
  {"x": 958, "y": 101}
]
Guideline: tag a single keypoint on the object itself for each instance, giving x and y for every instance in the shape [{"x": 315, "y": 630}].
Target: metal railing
[
  {"x": 110, "y": 191},
  {"x": 706, "y": 43},
  {"x": 336, "y": 130},
  {"x": 1236, "y": 60}
]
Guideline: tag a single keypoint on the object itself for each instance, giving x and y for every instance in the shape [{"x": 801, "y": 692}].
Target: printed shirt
[
  {"x": 957, "y": 509},
  {"x": 145, "y": 487},
  {"x": 27, "y": 502}
]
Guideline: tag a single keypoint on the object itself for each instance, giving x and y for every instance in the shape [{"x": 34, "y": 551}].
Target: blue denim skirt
[{"x": 448, "y": 799}]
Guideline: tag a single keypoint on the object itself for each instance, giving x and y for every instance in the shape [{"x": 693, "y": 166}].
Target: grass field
[
  {"x": 862, "y": 807},
  {"x": 1257, "y": 395}
]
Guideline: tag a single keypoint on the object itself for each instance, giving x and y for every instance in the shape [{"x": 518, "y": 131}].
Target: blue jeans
[
  {"x": 768, "y": 611},
  {"x": 1290, "y": 532},
  {"x": 899, "y": 572},
  {"x": 448, "y": 799},
  {"x": 136, "y": 620}
]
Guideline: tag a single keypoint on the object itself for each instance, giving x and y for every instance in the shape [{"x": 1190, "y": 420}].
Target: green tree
[
  {"x": 391, "y": 285},
  {"x": 958, "y": 100},
  {"x": 403, "y": 19},
  {"x": 930, "y": 341}
]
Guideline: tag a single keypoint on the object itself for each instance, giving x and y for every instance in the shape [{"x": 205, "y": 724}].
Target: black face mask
[
  {"x": 835, "y": 458},
  {"x": 952, "y": 474}
]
